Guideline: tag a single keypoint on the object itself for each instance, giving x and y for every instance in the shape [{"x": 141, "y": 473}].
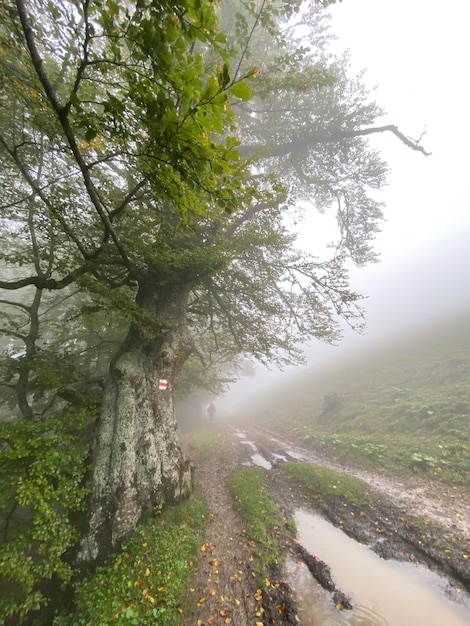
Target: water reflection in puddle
[
  {"x": 260, "y": 461},
  {"x": 296, "y": 455},
  {"x": 249, "y": 443},
  {"x": 256, "y": 459},
  {"x": 384, "y": 593},
  {"x": 280, "y": 457}
]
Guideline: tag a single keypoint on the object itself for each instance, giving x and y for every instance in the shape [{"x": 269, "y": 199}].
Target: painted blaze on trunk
[{"x": 137, "y": 458}]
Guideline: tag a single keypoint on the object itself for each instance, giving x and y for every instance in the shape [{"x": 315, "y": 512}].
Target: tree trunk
[{"x": 137, "y": 458}]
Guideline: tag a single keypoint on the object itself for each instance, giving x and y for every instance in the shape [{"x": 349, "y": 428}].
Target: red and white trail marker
[{"x": 162, "y": 384}]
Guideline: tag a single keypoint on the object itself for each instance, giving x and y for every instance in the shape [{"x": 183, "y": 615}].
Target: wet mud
[
  {"x": 392, "y": 531},
  {"x": 226, "y": 590},
  {"x": 322, "y": 574}
]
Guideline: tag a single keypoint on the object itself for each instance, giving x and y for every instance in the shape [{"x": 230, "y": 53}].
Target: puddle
[
  {"x": 249, "y": 443},
  {"x": 260, "y": 461},
  {"x": 297, "y": 455},
  {"x": 256, "y": 459},
  {"x": 384, "y": 593}
]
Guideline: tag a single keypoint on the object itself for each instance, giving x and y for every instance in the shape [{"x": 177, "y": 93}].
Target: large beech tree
[{"x": 148, "y": 162}]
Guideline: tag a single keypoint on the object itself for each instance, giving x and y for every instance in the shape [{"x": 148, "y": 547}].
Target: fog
[{"x": 415, "y": 55}]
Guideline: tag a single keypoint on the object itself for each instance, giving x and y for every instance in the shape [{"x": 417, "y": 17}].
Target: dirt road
[{"x": 416, "y": 520}]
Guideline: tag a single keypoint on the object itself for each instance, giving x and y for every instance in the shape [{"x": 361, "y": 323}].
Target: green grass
[
  {"x": 326, "y": 486},
  {"x": 261, "y": 515},
  {"x": 396, "y": 455},
  {"x": 147, "y": 581},
  {"x": 399, "y": 408}
]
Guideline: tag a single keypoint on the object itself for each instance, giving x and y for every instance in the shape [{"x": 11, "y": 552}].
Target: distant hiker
[{"x": 211, "y": 411}]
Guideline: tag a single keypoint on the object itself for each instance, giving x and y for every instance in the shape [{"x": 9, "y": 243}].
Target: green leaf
[
  {"x": 211, "y": 90},
  {"x": 90, "y": 134},
  {"x": 221, "y": 38},
  {"x": 242, "y": 90},
  {"x": 224, "y": 76},
  {"x": 232, "y": 155}
]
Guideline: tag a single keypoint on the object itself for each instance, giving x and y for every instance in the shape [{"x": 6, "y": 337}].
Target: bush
[{"x": 42, "y": 467}]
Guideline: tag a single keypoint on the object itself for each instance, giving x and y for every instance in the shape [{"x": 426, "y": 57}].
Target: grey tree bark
[{"x": 138, "y": 463}]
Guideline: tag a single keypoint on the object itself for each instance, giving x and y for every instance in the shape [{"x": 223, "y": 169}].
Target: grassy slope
[{"x": 405, "y": 402}]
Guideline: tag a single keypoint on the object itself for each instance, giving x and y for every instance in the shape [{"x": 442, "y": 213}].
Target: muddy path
[
  {"x": 409, "y": 519},
  {"x": 412, "y": 521},
  {"x": 447, "y": 505}
]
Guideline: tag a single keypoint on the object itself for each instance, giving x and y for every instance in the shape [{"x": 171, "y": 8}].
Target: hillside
[{"x": 413, "y": 393}]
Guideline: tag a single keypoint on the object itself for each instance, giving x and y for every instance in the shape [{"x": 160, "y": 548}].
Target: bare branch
[
  {"x": 247, "y": 43},
  {"x": 306, "y": 141}
]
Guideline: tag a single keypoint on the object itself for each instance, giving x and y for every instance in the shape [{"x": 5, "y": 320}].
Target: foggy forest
[{"x": 234, "y": 382}]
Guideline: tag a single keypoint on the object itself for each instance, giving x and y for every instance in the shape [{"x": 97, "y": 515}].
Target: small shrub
[
  {"x": 422, "y": 461},
  {"x": 331, "y": 405},
  {"x": 42, "y": 469}
]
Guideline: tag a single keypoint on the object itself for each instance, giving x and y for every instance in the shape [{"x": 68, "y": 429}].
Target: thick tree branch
[
  {"x": 42, "y": 282},
  {"x": 306, "y": 141},
  {"x": 84, "y": 63},
  {"x": 248, "y": 214},
  {"x": 390, "y": 128},
  {"x": 128, "y": 198}
]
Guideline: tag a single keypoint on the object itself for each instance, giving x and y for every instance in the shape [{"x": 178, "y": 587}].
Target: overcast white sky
[{"x": 416, "y": 53}]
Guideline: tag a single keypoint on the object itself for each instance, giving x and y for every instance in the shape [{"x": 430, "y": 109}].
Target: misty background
[{"x": 415, "y": 60}]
